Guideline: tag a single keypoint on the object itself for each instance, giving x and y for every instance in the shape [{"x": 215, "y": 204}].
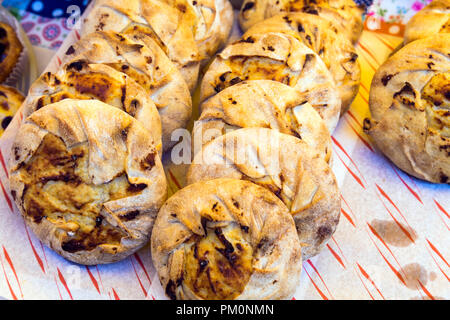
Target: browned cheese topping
[
  {"x": 139, "y": 31},
  {"x": 446, "y": 27},
  {"x": 219, "y": 265},
  {"x": 58, "y": 188}
]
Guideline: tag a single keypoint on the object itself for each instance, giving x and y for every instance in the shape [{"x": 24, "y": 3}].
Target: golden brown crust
[
  {"x": 10, "y": 50},
  {"x": 165, "y": 21},
  {"x": 323, "y": 38},
  {"x": 285, "y": 166},
  {"x": 345, "y": 14},
  {"x": 82, "y": 81},
  {"x": 87, "y": 180},
  {"x": 254, "y": 252},
  {"x": 148, "y": 66},
  {"x": 267, "y": 104},
  {"x": 213, "y": 23},
  {"x": 433, "y": 19},
  {"x": 410, "y": 107},
  {"x": 270, "y": 56},
  {"x": 10, "y": 102}
]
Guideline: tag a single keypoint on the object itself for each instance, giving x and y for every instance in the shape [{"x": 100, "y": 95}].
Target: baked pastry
[
  {"x": 213, "y": 24},
  {"x": 323, "y": 38},
  {"x": 257, "y": 99},
  {"x": 226, "y": 239},
  {"x": 10, "y": 50},
  {"x": 345, "y": 14},
  {"x": 433, "y": 19},
  {"x": 270, "y": 56},
  {"x": 284, "y": 165},
  {"x": 171, "y": 23},
  {"x": 149, "y": 66},
  {"x": 10, "y": 102},
  {"x": 410, "y": 107},
  {"x": 82, "y": 81},
  {"x": 87, "y": 180},
  {"x": 267, "y": 104}
]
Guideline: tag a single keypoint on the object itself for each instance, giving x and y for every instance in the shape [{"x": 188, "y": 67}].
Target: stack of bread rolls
[
  {"x": 410, "y": 98},
  {"x": 86, "y": 170}
]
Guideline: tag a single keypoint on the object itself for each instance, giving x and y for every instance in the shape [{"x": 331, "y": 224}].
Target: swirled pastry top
[
  {"x": 345, "y": 14},
  {"x": 82, "y": 81},
  {"x": 433, "y": 19},
  {"x": 10, "y": 50},
  {"x": 147, "y": 64},
  {"x": 164, "y": 21},
  {"x": 10, "y": 102},
  {"x": 323, "y": 38},
  {"x": 87, "y": 180},
  {"x": 226, "y": 239},
  {"x": 270, "y": 56},
  {"x": 284, "y": 165},
  {"x": 410, "y": 106},
  {"x": 267, "y": 104}
]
